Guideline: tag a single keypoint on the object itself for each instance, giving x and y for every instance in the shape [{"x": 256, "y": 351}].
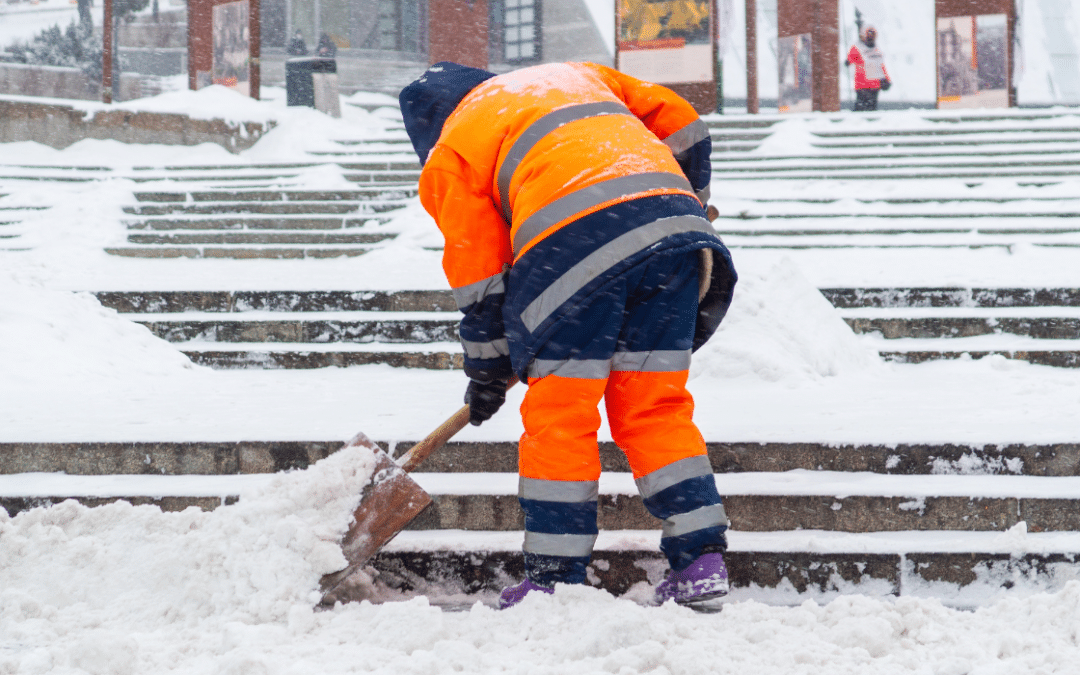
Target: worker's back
[{"x": 545, "y": 132}]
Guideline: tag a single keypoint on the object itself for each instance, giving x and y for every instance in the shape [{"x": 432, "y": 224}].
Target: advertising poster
[
  {"x": 972, "y": 61},
  {"x": 232, "y": 46},
  {"x": 796, "y": 72},
  {"x": 665, "y": 41}
]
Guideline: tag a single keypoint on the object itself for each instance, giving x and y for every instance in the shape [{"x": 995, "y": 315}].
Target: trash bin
[{"x": 312, "y": 81}]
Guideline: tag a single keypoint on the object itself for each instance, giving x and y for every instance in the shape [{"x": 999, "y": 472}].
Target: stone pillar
[{"x": 821, "y": 19}]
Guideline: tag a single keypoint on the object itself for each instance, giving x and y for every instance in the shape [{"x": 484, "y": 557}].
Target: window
[{"x": 516, "y": 24}]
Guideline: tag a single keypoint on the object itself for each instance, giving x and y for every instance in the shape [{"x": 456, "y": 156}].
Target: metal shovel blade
[{"x": 388, "y": 503}]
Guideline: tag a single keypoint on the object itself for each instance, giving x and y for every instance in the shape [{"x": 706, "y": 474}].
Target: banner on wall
[
  {"x": 796, "y": 72},
  {"x": 665, "y": 41},
  {"x": 972, "y": 61},
  {"x": 232, "y": 46}
]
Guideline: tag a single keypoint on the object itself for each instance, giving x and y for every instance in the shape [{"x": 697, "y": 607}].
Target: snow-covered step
[
  {"x": 856, "y": 165},
  {"x": 382, "y": 177},
  {"x": 307, "y": 355},
  {"x": 304, "y": 327},
  {"x": 797, "y": 241},
  {"x": 62, "y": 174},
  {"x": 1018, "y": 217},
  {"x": 958, "y": 568},
  {"x": 898, "y": 173},
  {"x": 860, "y": 154},
  {"x": 278, "y": 301},
  {"x": 1001, "y": 131},
  {"x": 728, "y": 121},
  {"x": 369, "y": 212},
  {"x": 898, "y": 240},
  {"x": 1007, "y": 115},
  {"x": 285, "y": 194},
  {"x": 796, "y": 500},
  {"x": 754, "y": 502},
  {"x": 263, "y": 456},
  {"x": 1042, "y": 323},
  {"x": 240, "y": 252},
  {"x": 263, "y": 207},
  {"x": 952, "y": 297},
  {"x": 1047, "y": 352},
  {"x": 230, "y": 175},
  {"x": 182, "y": 238}
]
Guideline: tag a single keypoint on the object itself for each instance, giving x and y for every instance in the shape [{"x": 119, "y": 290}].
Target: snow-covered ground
[{"x": 123, "y": 589}]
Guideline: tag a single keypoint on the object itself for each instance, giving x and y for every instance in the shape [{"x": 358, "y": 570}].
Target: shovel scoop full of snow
[
  {"x": 391, "y": 500},
  {"x": 388, "y": 503}
]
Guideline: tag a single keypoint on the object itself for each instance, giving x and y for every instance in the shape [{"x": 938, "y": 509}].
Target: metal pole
[
  {"x": 106, "y": 53},
  {"x": 751, "y": 58}
]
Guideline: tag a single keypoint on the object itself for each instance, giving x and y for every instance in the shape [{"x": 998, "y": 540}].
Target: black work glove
[
  {"x": 885, "y": 84},
  {"x": 484, "y": 399}
]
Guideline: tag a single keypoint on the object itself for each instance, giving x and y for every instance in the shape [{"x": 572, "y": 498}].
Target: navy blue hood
[{"x": 427, "y": 102}]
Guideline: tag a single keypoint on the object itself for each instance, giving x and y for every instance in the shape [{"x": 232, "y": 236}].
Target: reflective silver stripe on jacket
[
  {"x": 564, "y": 545},
  {"x": 486, "y": 350},
  {"x": 692, "y": 467},
  {"x": 704, "y": 194},
  {"x": 584, "y": 369},
  {"x": 594, "y": 195},
  {"x": 682, "y": 140},
  {"x": 564, "y": 491},
  {"x": 472, "y": 293},
  {"x": 656, "y": 361},
  {"x": 602, "y": 259},
  {"x": 540, "y": 128},
  {"x": 698, "y": 519}
]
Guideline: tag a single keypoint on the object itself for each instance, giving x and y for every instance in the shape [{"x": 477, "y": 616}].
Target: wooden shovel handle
[{"x": 436, "y": 439}]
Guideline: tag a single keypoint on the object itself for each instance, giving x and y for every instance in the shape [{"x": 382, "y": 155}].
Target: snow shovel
[{"x": 392, "y": 499}]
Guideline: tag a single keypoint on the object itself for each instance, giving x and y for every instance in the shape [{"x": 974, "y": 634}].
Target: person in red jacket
[
  {"x": 870, "y": 74},
  {"x": 571, "y": 199}
]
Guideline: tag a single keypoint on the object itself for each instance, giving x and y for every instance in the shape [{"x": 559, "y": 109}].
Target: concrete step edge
[
  {"x": 432, "y": 300},
  {"x": 747, "y": 513},
  {"x": 225, "y": 458},
  {"x": 461, "y": 578}
]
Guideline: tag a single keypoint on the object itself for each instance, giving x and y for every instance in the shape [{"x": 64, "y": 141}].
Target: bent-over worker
[{"x": 571, "y": 198}]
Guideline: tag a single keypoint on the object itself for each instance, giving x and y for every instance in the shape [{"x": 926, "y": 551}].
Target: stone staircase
[
  {"x": 260, "y": 222},
  {"x": 897, "y": 519},
  {"x": 12, "y": 213},
  {"x": 301, "y": 329}
]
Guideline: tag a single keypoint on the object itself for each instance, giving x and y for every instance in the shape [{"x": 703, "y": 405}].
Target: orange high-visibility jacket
[{"x": 549, "y": 181}]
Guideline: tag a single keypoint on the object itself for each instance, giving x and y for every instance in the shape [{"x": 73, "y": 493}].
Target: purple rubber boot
[
  {"x": 512, "y": 595},
  {"x": 705, "y": 579}
]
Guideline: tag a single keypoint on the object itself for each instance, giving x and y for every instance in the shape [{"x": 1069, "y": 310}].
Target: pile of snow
[
  {"x": 70, "y": 340},
  {"x": 251, "y": 562},
  {"x": 780, "y": 328},
  {"x": 213, "y": 102}
]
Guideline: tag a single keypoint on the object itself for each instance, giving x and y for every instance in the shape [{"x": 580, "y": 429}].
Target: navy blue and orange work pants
[{"x": 630, "y": 346}]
